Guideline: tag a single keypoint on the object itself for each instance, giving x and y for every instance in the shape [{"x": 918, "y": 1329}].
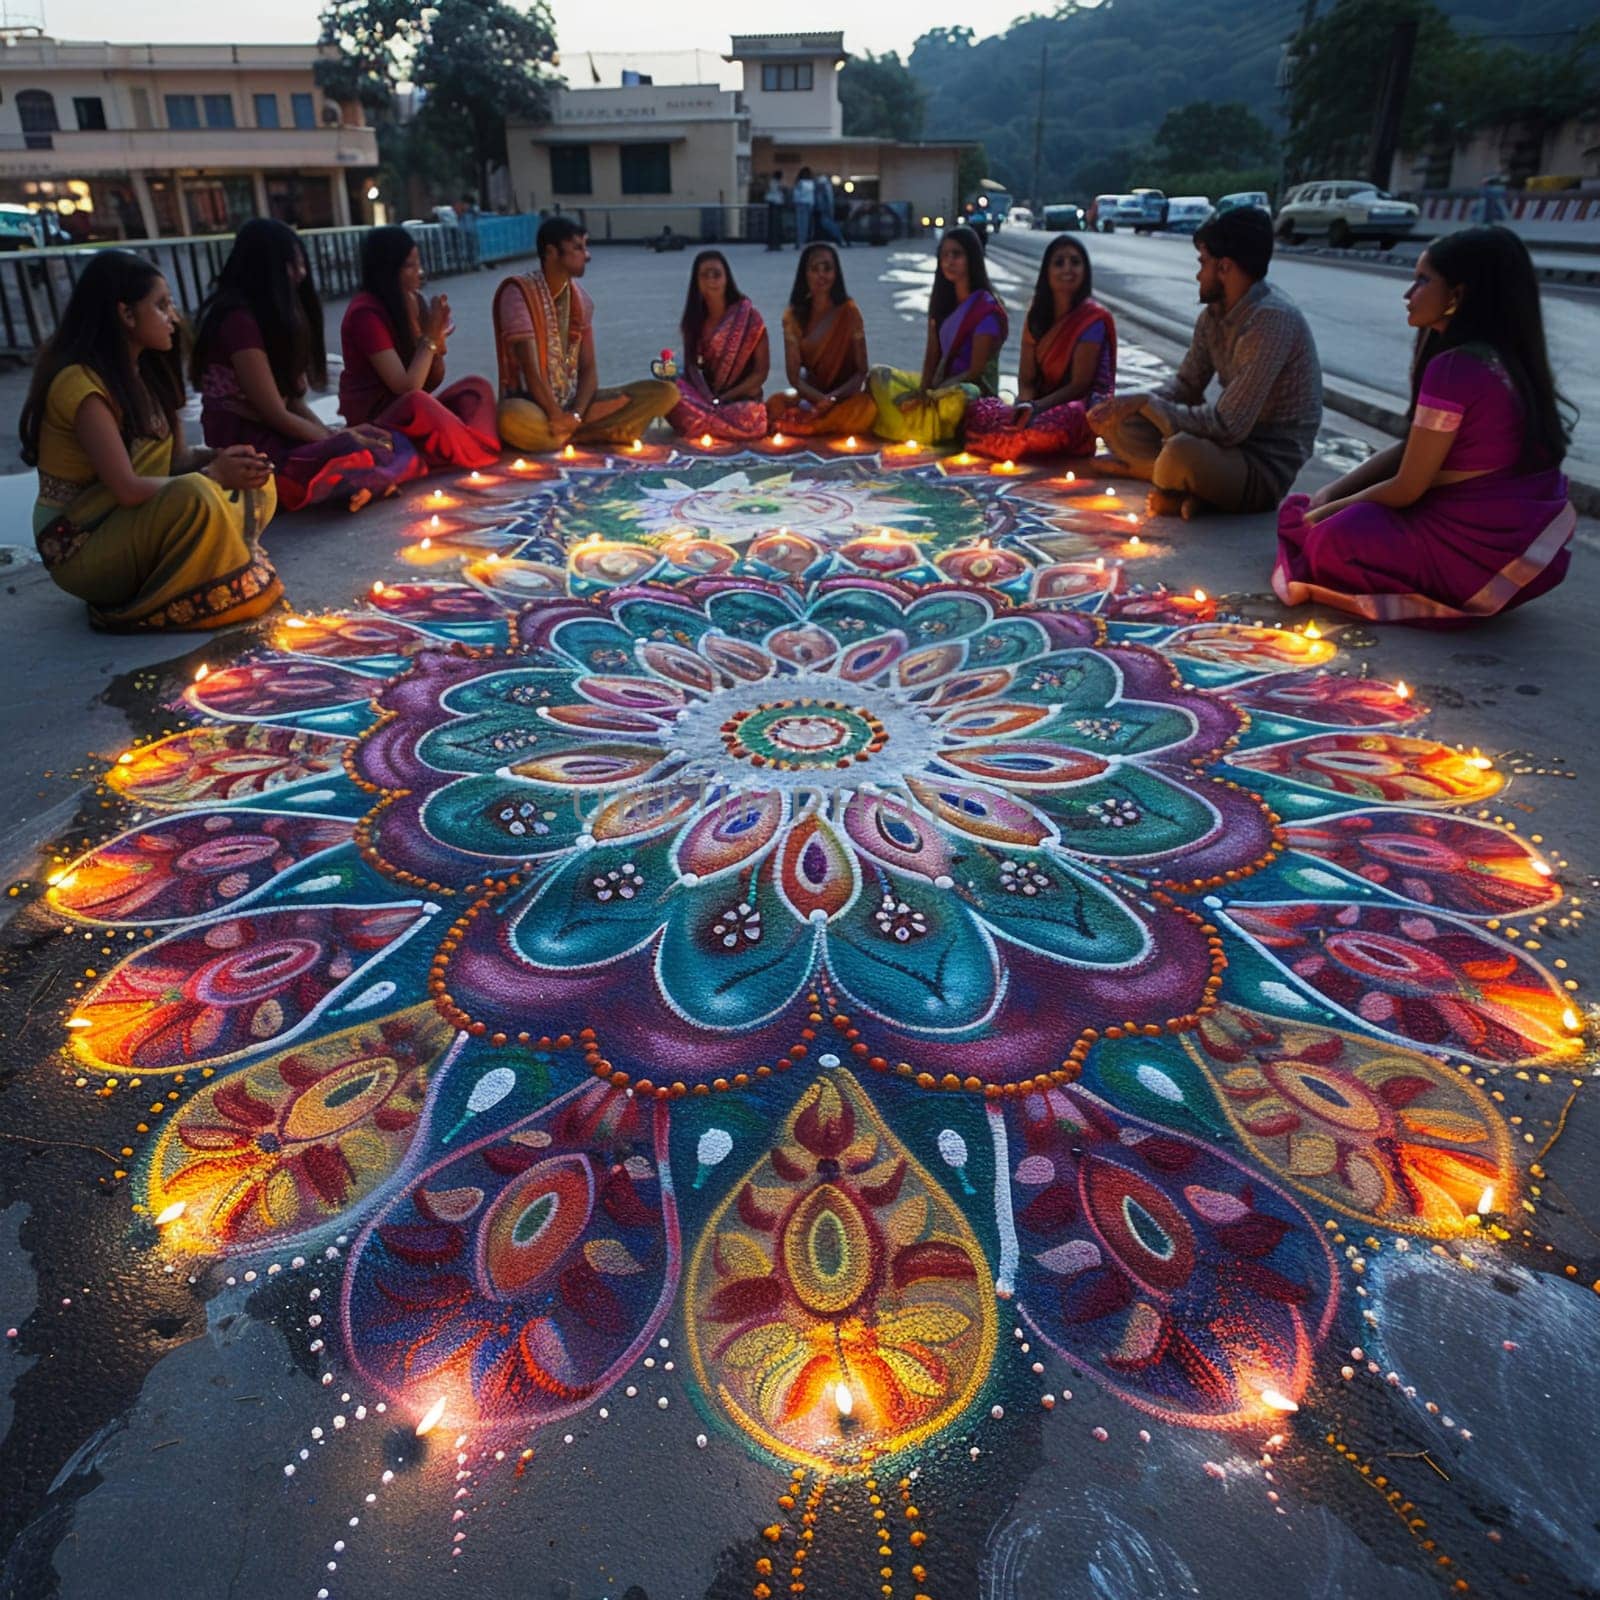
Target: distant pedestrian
[
  {"x": 805, "y": 195},
  {"x": 822, "y": 218},
  {"x": 1241, "y": 451},
  {"x": 775, "y": 204}
]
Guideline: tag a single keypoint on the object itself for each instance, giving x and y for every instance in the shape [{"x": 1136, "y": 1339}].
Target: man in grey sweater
[{"x": 1242, "y": 451}]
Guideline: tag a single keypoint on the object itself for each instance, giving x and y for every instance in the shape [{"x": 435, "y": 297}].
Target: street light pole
[{"x": 1038, "y": 127}]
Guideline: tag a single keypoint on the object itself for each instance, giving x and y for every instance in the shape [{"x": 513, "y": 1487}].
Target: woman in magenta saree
[
  {"x": 1069, "y": 363},
  {"x": 725, "y": 357},
  {"x": 1469, "y": 516}
]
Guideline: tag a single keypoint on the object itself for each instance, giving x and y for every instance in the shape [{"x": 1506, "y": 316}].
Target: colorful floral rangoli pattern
[{"x": 677, "y": 916}]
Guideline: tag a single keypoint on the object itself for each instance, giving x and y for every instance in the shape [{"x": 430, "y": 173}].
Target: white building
[
  {"x": 145, "y": 141},
  {"x": 640, "y": 148}
]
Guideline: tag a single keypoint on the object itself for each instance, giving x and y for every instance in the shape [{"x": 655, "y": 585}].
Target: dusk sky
[{"x": 580, "y": 24}]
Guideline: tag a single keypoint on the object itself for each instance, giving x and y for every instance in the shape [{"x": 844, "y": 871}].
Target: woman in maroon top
[
  {"x": 258, "y": 350},
  {"x": 394, "y": 345}
]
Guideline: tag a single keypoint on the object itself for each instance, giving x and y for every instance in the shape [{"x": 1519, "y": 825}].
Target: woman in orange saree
[{"x": 825, "y": 353}]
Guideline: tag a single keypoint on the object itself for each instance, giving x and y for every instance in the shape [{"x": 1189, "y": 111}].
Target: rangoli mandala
[{"x": 803, "y": 907}]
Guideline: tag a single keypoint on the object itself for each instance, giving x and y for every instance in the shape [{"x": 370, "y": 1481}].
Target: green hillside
[{"x": 1115, "y": 70}]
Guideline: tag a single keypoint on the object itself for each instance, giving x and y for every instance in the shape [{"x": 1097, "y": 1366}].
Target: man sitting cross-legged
[
  {"x": 544, "y": 338},
  {"x": 1242, "y": 451}
]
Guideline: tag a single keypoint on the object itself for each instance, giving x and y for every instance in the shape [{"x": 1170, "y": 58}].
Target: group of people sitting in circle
[{"x": 1466, "y": 517}]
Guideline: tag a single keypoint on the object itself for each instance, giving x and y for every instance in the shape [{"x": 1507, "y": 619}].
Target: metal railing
[
  {"x": 36, "y": 284},
  {"x": 641, "y": 222}
]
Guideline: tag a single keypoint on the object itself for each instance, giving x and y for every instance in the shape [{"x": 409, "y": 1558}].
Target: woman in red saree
[
  {"x": 725, "y": 357},
  {"x": 394, "y": 348},
  {"x": 258, "y": 350},
  {"x": 825, "y": 353},
  {"x": 1069, "y": 363}
]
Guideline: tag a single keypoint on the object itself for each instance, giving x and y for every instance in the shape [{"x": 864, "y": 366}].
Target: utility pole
[
  {"x": 1286, "y": 68},
  {"x": 1391, "y": 103},
  {"x": 1038, "y": 127}
]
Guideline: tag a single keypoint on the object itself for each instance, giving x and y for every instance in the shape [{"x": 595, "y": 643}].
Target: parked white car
[
  {"x": 1344, "y": 212},
  {"x": 1020, "y": 217},
  {"x": 1185, "y": 212}
]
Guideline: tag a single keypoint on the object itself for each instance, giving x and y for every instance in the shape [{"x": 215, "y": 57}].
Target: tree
[
  {"x": 1338, "y": 75},
  {"x": 473, "y": 63},
  {"x": 1201, "y": 135},
  {"x": 879, "y": 98}
]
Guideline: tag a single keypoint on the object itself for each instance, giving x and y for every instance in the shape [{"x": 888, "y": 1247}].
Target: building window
[
  {"x": 569, "y": 169},
  {"x": 219, "y": 110},
  {"x": 780, "y": 77},
  {"x": 304, "y": 109},
  {"x": 90, "y": 111},
  {"x": 267, "y": 111},
  {"x": 36, "y": 111},
  {"x": 183, "y": 111},
  {"x": 646, "y": 169}
]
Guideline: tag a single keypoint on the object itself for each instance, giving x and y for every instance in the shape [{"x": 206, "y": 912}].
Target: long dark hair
[
  {"x": 1498, "y": 306},
  {"x": 1042, "y": 313},
  {"x": 255, "y": 278},
  {"x": 800, "y": 294},
  {"x": 384, "y": 251},
  {"x": 91, "y": 333},
  {"x": 943, "y": 299},
  {"x": 693, "y": 322}
]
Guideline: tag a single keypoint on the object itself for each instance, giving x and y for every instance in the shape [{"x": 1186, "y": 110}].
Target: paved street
[{"x": 148, "y": 1411}]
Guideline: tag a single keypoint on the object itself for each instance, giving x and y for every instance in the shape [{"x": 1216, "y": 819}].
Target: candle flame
[
  {"x": 964, "y": 460},
  {"x": 1072, "y": 477},
  {"x": 477, "y": 477},
  {"x": 777, "y": 438},
  {"x": 1486, "y": 1201},
  {"x": 1571, "y": 1021},
  {"x": 85, "y": 1022},
  {"x": 1200, "y": 595},
  {"x": 172, "y": 1213},
  {"x": 912, "y": 446},
  {"x": 201, "y": 672},
  {"x": 519, "y": 465},
  {"x": 850, "y": 442},
  {"x": 843, "y": 1399},
  {"x": 125, "y": 759},
  {"x": 295, "y": 622},
  {"x": 1313, "y": 631},
  {"x": 1112, "y": 493},
  {"x": 427, "y": 543},
  {"x": 1479, "y": 760},
  {"x": 438, "y": 497},
  {"x": 377, "y": 585},
  {"x": 431, "y": 1418},
  {"x": 1403, "y": 689},
  {"x": 1276, "y": 1400},
  {"x": 433, "y": 521},
  {"x": 1135, "y": 540},
  {"x": 1541, "y": 867},
  {"x": 1099, "y": 563}
]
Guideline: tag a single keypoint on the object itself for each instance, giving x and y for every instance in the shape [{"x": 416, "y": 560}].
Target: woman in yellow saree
[
  {"x": 825, "y": 353},
  {"x": 966, "y": 327},
  {"x": 148, "y": 534}
]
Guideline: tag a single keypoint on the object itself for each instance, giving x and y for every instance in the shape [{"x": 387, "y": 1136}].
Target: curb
[
  {"x": 1577, "y": 277},
  {"x": 1372, "y": 407}
]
